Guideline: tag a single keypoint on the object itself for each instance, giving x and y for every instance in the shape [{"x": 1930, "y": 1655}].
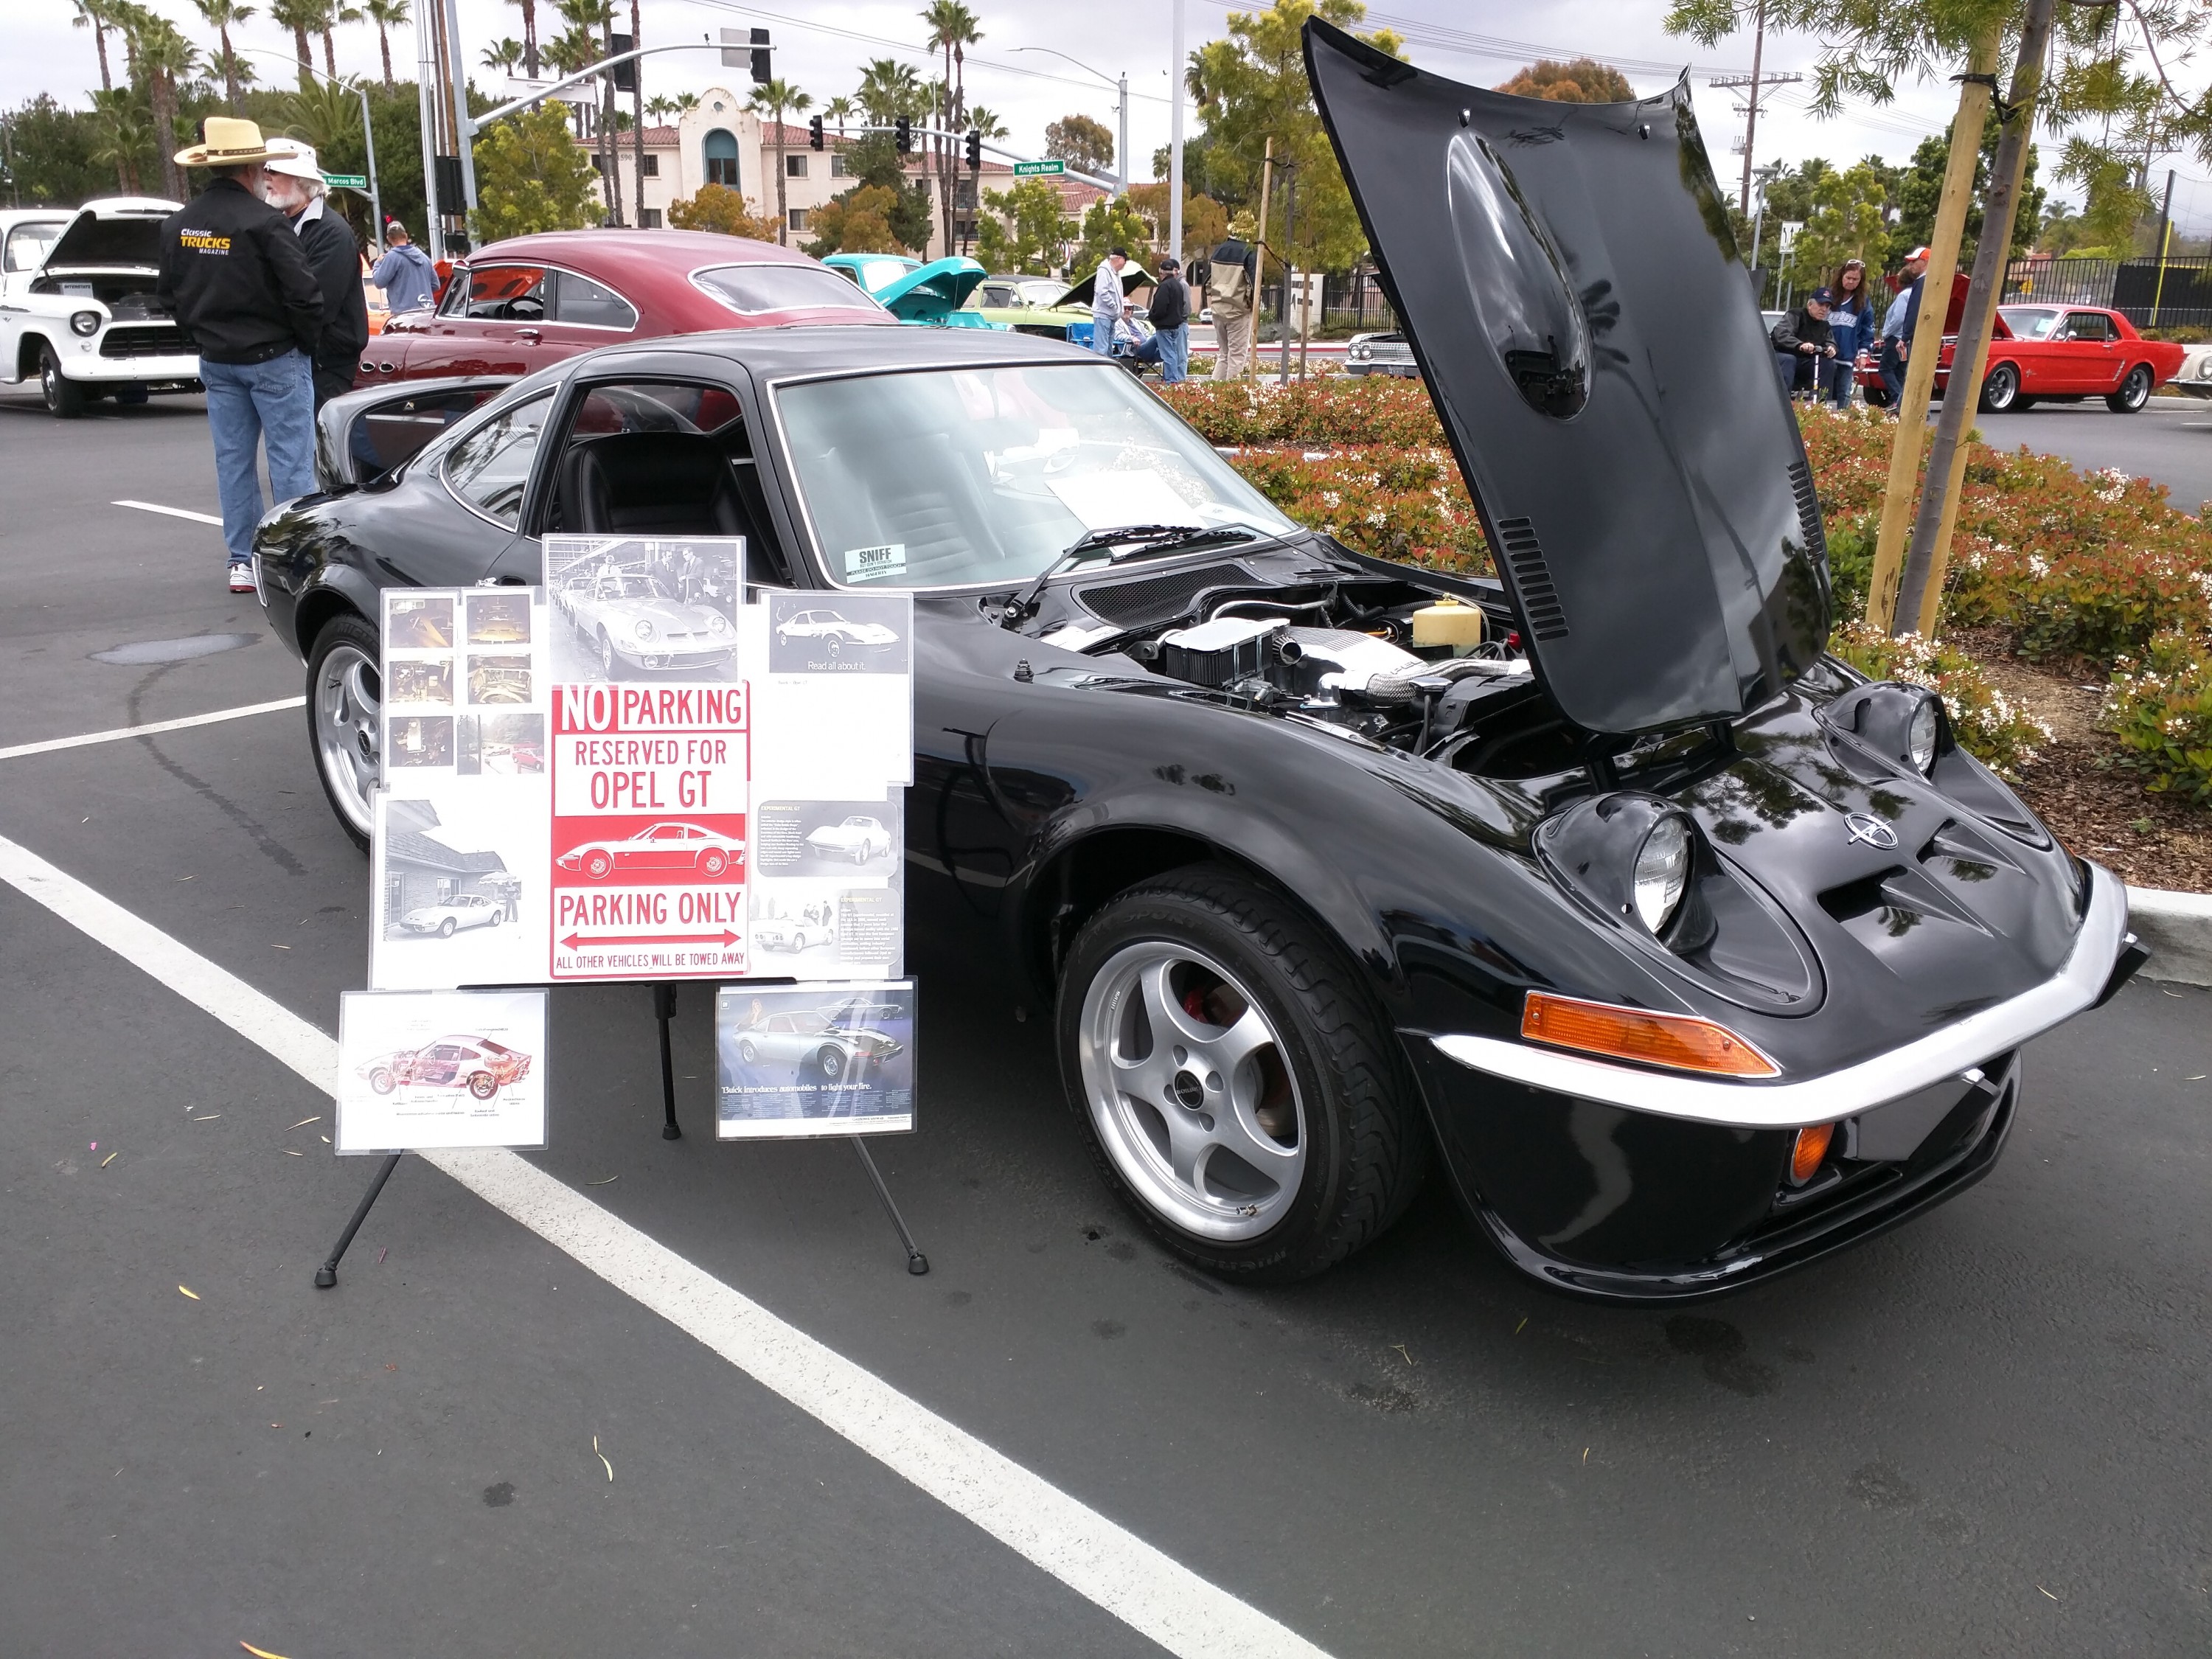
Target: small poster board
[
  {"x": 799, "y": 1061},
  {"x": 421, "y": 1070}
]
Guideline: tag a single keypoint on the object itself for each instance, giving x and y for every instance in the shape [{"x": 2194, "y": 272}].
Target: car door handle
[{"x": 529, "y": 334}]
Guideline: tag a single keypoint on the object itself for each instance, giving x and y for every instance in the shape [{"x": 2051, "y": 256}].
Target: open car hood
[
  {"x": 1566, "y": 276},
  {"x": 932, "y": 292},
  {"x": 1134, "y": 277},
  {"x": 126, "y": 233}
]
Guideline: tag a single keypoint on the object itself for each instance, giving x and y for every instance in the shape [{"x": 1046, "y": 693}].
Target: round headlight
[
  {"x": 642, "y": 628},
  {"x": 86, "y": 322},
  {"x": 1920, "y": 735},
  {"x": 1662, "y": 871},
  {"x": 717, "y": 623}
]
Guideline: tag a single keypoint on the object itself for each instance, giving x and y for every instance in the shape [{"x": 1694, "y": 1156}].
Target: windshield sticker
[
  {"x": 1105, "y": 500},
  {"x": 872, "y": 564}
]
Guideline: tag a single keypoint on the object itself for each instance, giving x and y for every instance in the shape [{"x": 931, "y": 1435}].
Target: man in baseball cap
[
  {"x": 233, "y": 276},
  {"x": 295, "y": 188},
  {"x": 1897, "y": 327}
]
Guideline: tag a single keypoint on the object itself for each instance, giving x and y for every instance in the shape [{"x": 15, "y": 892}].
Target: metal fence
[{"x": 2149, "y": 292}]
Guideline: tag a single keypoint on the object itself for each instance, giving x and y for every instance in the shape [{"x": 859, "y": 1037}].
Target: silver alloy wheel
[
  {"x": 348, "y": 712},
  {"x": 1203, "y": 1121}
]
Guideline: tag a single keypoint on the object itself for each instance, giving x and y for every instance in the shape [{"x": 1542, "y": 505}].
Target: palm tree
[
  {"x": 333, "y": 16},
  {"x": 298, "y": 16},
  {"x": 96, "y": 16},
  {"x": 772, "y": 99},
  {"x": 387, "y": 15},
  {"x": 986, "y": 123},
  {"x": 529, "y": 37},
  {"x": 220, "y": 15},
  {"x": 505, "y": 56},
  {"x": 165, "y": 57},
  {"x": 887, "y": 89},
  {"x": 686, "y": 102},
  {"x": 125, "y": 136},
  {"x": 952, "y": 27},
  {"x": 840, "y": 110},
  {"x": 590, "y": 20},
  {"x": 659, "y": 106}
]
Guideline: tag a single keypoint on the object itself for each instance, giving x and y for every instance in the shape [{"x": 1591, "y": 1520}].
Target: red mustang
[
  {"x": 2056, "y": 354},
  {"x": 516, "y": 306}
]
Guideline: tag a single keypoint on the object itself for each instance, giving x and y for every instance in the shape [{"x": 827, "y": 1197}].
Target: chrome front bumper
[{"x": 1938, "y": 1058}]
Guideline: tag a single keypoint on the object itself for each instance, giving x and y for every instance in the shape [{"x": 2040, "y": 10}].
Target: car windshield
[
  {"x": 628, "y": 587},
  {"x": 751, "y": 290},
  {"x": 947, "y": 477},
  {"x": 2028, "y": 322}
]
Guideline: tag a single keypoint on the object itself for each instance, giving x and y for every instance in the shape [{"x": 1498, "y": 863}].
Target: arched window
[{"x": 721, "y": 153}]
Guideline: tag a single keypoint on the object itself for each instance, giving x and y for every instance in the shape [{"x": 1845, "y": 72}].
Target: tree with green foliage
[
  {"x": 1252, "y": 88},
  {"x": 1844, "y": 222},
  {"x": 58, "y": 156},
  {"x": 952, "y": 29},
  {"x": 872, "y": 162},
  {"x": 298, "y": 16},
  {"x": 889, "y": 89},
  {"x": 775, "y": 99},
  {"x": 531, "y": 177},
  {"x": 221, "y": 15},
  {"x": 1109, "y": 222},
  {"x": 1083, "y": 144},
  {"x": 162, "y": 60},
  {"x": 99, "y": 17},
  {"x": 1205, "y": 220},
  {"x": 1584, "y": 81},
  {"x": 1025, "y": 228},
  {"x": 387, "y": 15},
  {"x": 718, "y": 208},
  {"x": 1920, "y": 186},
  {"x": 859, "y": 222}
]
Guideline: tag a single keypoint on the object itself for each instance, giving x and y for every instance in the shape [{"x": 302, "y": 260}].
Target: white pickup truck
[{"x": 85, "y": 322}]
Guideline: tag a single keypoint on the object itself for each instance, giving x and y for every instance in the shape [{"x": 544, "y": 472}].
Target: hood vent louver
[
  {"x": 1532, "y": 579},
  {"x": 1808, "y": 508}
]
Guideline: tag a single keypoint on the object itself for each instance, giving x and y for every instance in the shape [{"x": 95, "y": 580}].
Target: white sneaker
[{"x": 241, "y": 577}]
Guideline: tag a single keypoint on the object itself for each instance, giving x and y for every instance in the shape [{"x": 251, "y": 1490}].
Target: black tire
[
  {"x": 1367, "y": 1140},
  {"x": 2134, "y": 393},
  {"x": 65, "y": 399},
  {"x": 606, "y": 653},
  {"x": 482, "y": 1084},
  {"x": 352, "y": 633},
  {"x": 2000, "y": 390},
  {"x": 830, "y": 1060},
  {"x": 747, "y": 1052}
]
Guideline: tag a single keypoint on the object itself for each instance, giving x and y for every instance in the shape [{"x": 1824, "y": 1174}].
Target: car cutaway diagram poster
[
  {"x": 797, "y": 1060},
  {"x": 631, "y": 774},
  {"x": 425, "y": 1069}
]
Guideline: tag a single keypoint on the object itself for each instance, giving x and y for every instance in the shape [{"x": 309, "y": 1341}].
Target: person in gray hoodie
[{"x": 404, "y": 273}]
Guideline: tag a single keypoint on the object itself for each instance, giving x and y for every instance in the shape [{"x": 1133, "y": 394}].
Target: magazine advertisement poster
[
  {"x": 797, "y": 1061},
  {"x": 422, "y": 1071},
  {"x": 651, "y": 764}
]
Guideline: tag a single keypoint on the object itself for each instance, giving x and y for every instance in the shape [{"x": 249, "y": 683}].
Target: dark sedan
[{"x": 1687, "y": 953}]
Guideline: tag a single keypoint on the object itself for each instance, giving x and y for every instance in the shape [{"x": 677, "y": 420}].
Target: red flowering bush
[
  {"x": 1336, "y": 408},
  {"x": 1404, "y": 504}
]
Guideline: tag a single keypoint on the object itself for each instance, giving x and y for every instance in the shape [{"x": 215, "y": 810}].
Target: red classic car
[
  {"x": 477, "y": 1064},
  {"x": 2055, "y": 354},
  {"x": 515, "y": 306}
]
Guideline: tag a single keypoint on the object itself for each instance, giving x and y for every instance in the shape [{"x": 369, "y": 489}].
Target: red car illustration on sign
[
  {"x": 477, "y": 1064},
  {"x": 657, "y": 847}
]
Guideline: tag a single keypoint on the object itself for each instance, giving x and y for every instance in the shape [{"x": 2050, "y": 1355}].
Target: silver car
[
  {"x": 1380, "y": 354},
  {"x": 448, "y": 916},
  {"x": 813, "y": 1043}
]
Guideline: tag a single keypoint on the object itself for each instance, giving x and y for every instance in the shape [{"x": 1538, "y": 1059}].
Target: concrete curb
[{"x": 2178, "y": 928}]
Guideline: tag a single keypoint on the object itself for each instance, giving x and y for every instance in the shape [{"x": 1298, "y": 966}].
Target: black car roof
[{"x": 817, "y": 348}]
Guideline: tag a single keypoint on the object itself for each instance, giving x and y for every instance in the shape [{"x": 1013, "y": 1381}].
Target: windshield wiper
[{"x": 1119, "y": 542}]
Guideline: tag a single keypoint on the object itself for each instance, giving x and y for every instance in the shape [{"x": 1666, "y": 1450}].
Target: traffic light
[
  {"x": 814, "y": 133},
  {"x": 624, "y": 75},
  {"x": 903, "y": 135},
  {"x": 975, "y": 150},
  {"x": 763, "y": 72}
]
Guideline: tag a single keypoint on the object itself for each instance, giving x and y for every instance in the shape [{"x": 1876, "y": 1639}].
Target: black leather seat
[{"x": 651, "y": 483}]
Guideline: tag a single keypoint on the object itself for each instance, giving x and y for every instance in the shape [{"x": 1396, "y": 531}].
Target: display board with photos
[
  {"x": 795, "y": 1061},
  {"x": 632, "y": 774},
  {"x": 436, "y": 1070}
]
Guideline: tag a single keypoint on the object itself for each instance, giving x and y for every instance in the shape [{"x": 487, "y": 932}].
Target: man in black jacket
[
  {"x": 233, "y": 276},
  {"x": 1169, "y": 316},
  {"x": 296, "y": 190},
  {"x": 1801, "y": 344}
]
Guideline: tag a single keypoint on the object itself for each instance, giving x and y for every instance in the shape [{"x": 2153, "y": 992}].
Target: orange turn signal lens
[
  {"x": 1680, "y": 1041},
  {"x": 1812, "y": 1147}
]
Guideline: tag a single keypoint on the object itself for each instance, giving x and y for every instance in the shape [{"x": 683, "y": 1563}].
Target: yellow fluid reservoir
[{"x": 1449, "y": 624}]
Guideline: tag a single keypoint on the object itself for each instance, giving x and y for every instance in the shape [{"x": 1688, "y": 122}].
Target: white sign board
[{"x": 425, "y": 1069}]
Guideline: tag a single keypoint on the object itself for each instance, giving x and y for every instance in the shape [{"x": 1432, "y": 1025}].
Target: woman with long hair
[{"x": 1852, "y": 321}]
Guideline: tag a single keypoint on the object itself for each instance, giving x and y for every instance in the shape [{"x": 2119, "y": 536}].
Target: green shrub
[{"x": 2161, "y": 712}]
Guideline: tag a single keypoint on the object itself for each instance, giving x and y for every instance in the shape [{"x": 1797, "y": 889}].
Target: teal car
[{"x": 932, "y": 294}]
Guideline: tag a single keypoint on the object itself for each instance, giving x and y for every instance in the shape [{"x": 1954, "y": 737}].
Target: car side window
[
  {"x": 580, "y": 300},
  {"x": 506, "y": 293},
  {"x": 489, "y": 469},
  {"x": 2086, "y": 325}
]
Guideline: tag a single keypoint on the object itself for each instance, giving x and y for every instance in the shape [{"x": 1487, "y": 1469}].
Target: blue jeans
[
  {"x": 1842, "y": 379},
  {"x": 249, "y": 403},
  {"x": 1102, "y": 335},
  {"x": 1893, "y": 374},
  {"x": 1174, "y": 353}
]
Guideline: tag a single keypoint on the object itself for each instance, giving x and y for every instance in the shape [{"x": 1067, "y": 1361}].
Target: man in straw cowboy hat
[
  {"x": 234, "y": 277},
  {"x": 296, "y": 189}
]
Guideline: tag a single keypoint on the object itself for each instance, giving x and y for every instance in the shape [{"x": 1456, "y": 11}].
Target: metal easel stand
[
  {"x": 916, "y": 1262},
  {"x": 327, "y": 1275}
]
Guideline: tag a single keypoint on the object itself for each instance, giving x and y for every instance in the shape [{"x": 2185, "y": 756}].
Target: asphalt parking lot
[{"x": 1982, "y": 1434}]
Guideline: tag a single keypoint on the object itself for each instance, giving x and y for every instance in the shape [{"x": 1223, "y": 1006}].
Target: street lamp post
[
  {"x": 1174, "y": 135},
  {"x": 1121, "y": 86},
  {"x": 367, "y": 139}
]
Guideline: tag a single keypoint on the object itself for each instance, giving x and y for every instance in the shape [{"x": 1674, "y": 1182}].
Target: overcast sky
[{"x": 1482, "y": 43}]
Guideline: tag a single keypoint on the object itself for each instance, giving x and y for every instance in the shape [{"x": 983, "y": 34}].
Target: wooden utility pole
[
  {"x": 1260, "y": 244},
  {"x": 1921, "y": 588},
  {"x": 1751, "y": 120},
  {"x": 1925, "y": 347}
]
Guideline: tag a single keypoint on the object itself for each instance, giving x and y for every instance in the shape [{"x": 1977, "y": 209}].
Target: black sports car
[{"x": 1688, "y": 954}]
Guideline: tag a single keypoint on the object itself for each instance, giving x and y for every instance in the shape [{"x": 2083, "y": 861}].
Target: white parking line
[
  {"x": 173, "y": 512},
  {"x": 51, "y": 744},
  {"x": 1098, "y": 1560}
]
